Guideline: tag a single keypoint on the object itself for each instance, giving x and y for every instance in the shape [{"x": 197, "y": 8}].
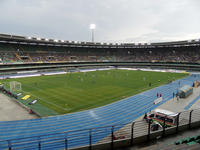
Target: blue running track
[{"x": 192, "y": 102}]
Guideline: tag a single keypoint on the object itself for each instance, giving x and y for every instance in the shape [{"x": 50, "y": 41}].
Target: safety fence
[{"x": 109, "y": 135}]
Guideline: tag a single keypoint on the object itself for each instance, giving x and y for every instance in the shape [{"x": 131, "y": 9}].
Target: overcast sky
[{"x": 116, "y": 20}]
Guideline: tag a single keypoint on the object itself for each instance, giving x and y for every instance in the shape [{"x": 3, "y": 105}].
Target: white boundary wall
[{"x": 20, "y": 75}]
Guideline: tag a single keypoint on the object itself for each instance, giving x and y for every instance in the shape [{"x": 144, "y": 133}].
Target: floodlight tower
[{"x": 92, "y": 27}]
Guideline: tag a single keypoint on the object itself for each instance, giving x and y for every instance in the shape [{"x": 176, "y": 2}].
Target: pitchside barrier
[
  {"x": 26, "y": 100},
  {"x": 107, "y": 137}
]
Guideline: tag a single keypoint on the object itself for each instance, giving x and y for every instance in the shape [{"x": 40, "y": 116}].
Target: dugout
[{"x": 185, "y": 91}]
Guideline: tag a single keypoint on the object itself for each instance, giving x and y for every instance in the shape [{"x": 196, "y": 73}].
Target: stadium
[
  {"x": 99, "y": 75},
  {"x": 52, "y": 79}
]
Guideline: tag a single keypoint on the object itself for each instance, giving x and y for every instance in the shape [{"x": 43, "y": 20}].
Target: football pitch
[{"x": 78, "y": 91}]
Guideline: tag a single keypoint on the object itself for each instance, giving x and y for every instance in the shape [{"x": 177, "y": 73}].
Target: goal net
[{"x": 15, "y": 86}]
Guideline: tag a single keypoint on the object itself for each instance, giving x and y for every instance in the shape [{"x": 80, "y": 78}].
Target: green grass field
[{"x": 80, "y": 91}]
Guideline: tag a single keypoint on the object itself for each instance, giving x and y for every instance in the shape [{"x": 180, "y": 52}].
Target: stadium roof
[{"x": 15, "y": 39}]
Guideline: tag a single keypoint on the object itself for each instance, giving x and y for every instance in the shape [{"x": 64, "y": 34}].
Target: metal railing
[{"x": 102, "y": 135}]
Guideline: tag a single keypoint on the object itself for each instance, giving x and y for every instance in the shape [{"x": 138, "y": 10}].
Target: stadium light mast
[{"x": 92, "y": 28}]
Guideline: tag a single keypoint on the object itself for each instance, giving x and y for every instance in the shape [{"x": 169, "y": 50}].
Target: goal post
[{"x": 15, "y": 86}]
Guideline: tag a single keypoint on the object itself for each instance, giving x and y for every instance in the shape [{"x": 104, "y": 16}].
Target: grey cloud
[{"x": 116, "y": 21}]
